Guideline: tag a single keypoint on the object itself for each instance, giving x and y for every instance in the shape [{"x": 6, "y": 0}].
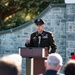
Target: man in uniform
[{"x": 41, "y": 38}]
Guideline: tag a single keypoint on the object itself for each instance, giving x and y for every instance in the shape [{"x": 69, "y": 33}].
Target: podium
[{"x": 34, "y": 59}]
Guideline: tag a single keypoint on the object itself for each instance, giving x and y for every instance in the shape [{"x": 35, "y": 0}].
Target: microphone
[{"x": 39, "y": 37}]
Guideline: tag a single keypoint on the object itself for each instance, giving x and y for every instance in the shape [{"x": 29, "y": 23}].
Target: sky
[{"x": 69, "y": 1}]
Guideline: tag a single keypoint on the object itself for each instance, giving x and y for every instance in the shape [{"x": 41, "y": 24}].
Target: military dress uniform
[
  {"x": 46, "y": 41},
  {"x": 41, "y": 38}
]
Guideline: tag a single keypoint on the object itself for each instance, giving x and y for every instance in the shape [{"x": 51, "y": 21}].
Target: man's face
[{"x": 40, "y": 28}]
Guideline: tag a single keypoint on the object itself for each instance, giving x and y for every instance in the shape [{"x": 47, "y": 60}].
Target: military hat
[{"x": 39, "y": 22}]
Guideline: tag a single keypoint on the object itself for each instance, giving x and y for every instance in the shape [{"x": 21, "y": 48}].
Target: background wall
[{"x": 58, "y": 18}]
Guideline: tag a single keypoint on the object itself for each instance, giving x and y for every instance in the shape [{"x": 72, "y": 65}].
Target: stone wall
[{"x": 58, "y": 18}]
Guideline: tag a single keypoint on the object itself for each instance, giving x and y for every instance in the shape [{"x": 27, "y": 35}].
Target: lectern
[{"x": 34, "y": 59}]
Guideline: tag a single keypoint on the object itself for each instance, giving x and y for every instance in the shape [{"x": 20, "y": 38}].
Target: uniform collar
[{"x": 43, "y": 33}]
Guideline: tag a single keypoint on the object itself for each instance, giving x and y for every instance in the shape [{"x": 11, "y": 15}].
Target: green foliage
[{"x": 21, "y": 11}]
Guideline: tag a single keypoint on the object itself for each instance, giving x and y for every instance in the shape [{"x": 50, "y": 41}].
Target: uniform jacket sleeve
[{"x": 52, "y": 43}]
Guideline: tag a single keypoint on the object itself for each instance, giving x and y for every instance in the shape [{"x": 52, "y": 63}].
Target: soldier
[{"x": 41, "y": 38}]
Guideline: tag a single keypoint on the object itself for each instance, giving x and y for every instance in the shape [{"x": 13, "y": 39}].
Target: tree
[
  {"x": 29, "y": 7},
  {"x": 9, "y": 7}
]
